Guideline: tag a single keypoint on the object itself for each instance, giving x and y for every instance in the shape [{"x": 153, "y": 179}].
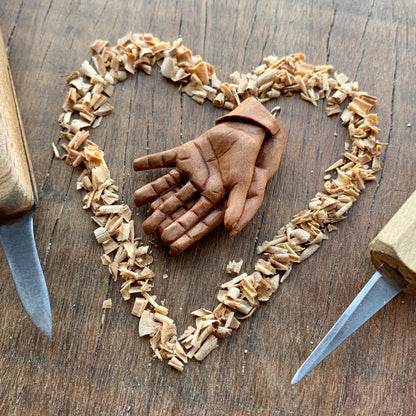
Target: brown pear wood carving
[{"x": 218, "y": 177}]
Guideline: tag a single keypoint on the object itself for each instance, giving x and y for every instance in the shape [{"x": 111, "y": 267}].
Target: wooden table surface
[{"x": 102, "y": 367}]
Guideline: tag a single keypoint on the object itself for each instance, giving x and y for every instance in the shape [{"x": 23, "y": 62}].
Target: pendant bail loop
[{"x": 276, "y": 111}]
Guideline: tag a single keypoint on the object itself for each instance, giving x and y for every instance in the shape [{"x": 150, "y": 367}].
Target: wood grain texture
[
  {"x": 16, "y": 189},
  {"x": 101, "y": 367}
]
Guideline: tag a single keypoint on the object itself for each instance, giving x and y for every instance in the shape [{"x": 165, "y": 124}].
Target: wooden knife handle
[
  {"x": 17, "y": 188},
  {"x": 395, "y": 244}
]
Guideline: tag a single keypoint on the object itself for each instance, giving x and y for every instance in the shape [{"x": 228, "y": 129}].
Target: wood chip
[
  {"x": 176, "y": 364},
  {"x": 158, "y": 308},
  {"x": 263, "y": 266},
  {"x": 109, "y": 246},
  {"x": 308, "y": 252},
  {"x": 208, "y": 346},
  {"x": 102, "y": 235},
  {"x": 55, "y": 151},
  {"x": 234, "y": 266},
  {"x": 148, "y": 325},
  {"x": 139, "y": 306}
]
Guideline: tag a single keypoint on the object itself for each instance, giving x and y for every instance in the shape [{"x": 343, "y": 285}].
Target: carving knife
[
  {"x": 17, "y": 202},
  {"x": 393, "y": 252}
]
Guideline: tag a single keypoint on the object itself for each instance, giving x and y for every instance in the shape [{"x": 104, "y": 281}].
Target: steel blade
[
  {"x": 20, "y": 250},
  {"x": 383, "y": 286}
]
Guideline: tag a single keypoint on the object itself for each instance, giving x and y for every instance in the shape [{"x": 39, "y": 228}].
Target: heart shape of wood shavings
[{"x": 87, "y": 102}]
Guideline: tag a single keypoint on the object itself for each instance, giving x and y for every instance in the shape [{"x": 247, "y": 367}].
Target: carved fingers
[
  {"x": 267, "y": 163},
  {"x": 187, "y": 224},
  {"x": 219, "y": 177}
]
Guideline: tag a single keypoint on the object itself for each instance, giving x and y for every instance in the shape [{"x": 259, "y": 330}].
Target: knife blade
[
  {"x": 383, "y": 286},
  {"x": 393, "y": 251},
  {"x": 19, "y": 246},
  {"x": 17, "y": 202}
]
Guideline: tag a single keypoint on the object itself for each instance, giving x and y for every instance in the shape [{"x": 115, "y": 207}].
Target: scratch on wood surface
[
  {"x": 369, "y": 15},
  {"x": 130, "y": 399},
  {"x": 263, "y": 49},
  {"x": 407, "y": 31},
  {"x": 130, "y": 115},
  {"x": 181, "y": 120},
  {"x": 100, "y": 332},
  {"x": 205, "y": 28},
  {"x": 180, "y": 25},
  {"x": 328, "y": 38},
  {"x": 243, "y": 369},
  {"x": 393, "y": 93},
  {"x": 40, "y": 71},
  {"x": 10, "y": 37},
  {"x": 250, "y": 35},
  {"x": 235, "y": 25},
  {"x": 47, "y": 176},
  {"x": 392, "y": 105},
  {"x": 362, "y": 40},
  {"x": 47, "y": 13},
  {"x": 99, "y": 18}
]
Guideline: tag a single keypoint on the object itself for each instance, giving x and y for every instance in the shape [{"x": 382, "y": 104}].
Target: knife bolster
[{"x": 380, "y": 256}]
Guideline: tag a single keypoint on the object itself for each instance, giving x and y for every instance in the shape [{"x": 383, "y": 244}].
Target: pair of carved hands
[{"x": 218, "y": 177}]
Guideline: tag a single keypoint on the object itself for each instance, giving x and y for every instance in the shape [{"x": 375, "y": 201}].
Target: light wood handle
[
  {"x": 395, "y": 244},
  {"x": 17, "y": 189}
]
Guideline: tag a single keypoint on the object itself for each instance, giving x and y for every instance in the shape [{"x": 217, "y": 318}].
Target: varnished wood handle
[
  {"x": 395, "y": 244},
  {"x": 17, "y": 189}
]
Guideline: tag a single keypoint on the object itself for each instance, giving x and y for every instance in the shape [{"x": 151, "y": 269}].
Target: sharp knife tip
[
  {"x": 305, "y": 368},
  {"x": 43, "y": 322},
  {"x": 46, "y": 330},
  {"x": 41, "y": 317},
  {"x": 297, "y": 377},
  {"x": 48, "y": 333},
  {"x": 384, "y": 285}
]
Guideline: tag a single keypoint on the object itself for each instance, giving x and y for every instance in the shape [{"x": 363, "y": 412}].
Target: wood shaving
[
  {"x": 55, "y": 151},
  {"x": 176, "y": 363},
  {"x": 234, "y": 266},
  {"x": 87, "y": 102}
]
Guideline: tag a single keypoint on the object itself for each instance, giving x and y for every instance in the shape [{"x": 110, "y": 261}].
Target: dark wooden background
[{"x": 95, "y": 368}]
